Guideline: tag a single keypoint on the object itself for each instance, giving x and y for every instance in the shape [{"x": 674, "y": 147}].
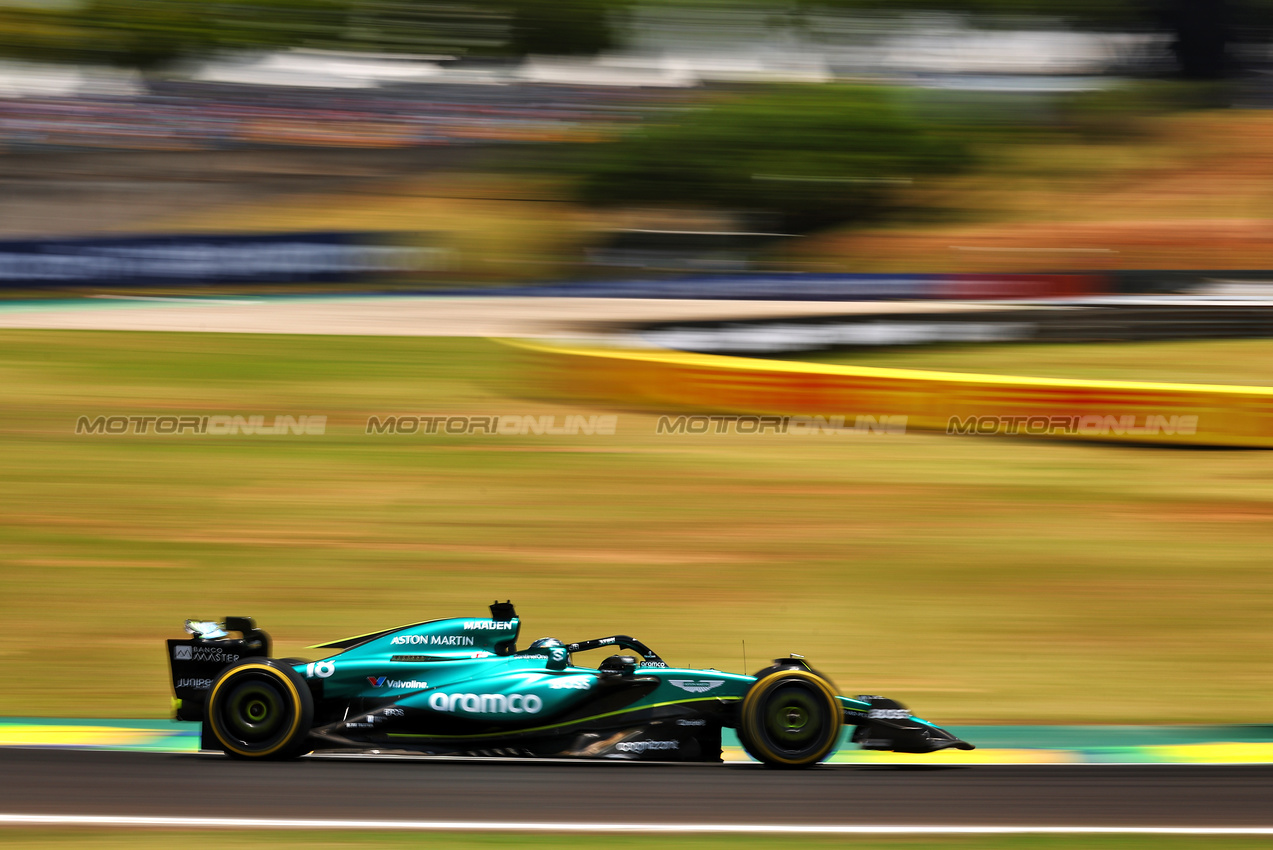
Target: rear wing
[{"x": 196, "y": 662}]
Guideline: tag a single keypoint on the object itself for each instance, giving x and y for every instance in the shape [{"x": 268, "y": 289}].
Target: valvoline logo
[{"x": 399, "y": 684}]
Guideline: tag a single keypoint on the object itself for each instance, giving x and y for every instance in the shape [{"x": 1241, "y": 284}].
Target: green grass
[
  {"x": 979, "y": 580},
  {"x": 286, "y": 839},
  {"x": 1228, "y": 361}
]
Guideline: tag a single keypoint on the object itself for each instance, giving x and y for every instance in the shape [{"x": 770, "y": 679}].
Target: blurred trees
[
  {"x": 798, "y": 157},
  {"x": 147, "y": 33},
  {"x": 563, "y": 27}
]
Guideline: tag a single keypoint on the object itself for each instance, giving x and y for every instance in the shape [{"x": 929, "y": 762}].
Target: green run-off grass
[{"x": 979, "y": 580}]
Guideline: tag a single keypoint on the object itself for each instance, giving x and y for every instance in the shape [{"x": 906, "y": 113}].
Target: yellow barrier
[{"x": 948, "y": 402}]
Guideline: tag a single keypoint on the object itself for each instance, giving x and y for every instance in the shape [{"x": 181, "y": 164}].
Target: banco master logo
[
  {"x": 696, "y": 686},
  {"x": 203, "y": 653}
]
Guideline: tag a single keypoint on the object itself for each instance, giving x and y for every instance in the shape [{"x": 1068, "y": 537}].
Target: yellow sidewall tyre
[
  {"x": 260, "y": 709},
  {"x": 790, "y": 718}
]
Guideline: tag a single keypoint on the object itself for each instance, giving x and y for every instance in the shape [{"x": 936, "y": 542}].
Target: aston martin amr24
[{"x": 462, "y": 687}]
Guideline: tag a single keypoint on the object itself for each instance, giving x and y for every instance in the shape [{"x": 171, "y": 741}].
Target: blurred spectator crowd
[{"x": 194, "y": 116}]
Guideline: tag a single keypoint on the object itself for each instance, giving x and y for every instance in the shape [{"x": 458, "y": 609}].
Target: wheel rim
[
  {"x": 794, "y": 719},
  {"x": 256, "y": 712}
]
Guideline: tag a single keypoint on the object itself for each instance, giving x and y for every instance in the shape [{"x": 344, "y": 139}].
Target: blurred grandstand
[
  {"x": 766, "y": 137},
  {"x": 214, "y": 115},
  {"x": 123, "y": 76}
]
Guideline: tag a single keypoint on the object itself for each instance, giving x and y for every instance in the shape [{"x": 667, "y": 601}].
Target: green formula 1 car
[{"x": 462, "y": 687}]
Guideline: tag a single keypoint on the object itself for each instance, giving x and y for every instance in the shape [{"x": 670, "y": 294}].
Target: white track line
[{"x": 529, "y": 826}]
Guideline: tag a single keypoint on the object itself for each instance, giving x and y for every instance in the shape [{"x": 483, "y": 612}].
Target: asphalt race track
[
  {"x": 74, "y": 782},
  {"x": 409, "y": 315}
]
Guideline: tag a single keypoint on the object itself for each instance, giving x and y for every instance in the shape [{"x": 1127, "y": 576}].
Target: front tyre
[
  {"x": 260, "y": 709},
  {"x": 790, "y": 718}
]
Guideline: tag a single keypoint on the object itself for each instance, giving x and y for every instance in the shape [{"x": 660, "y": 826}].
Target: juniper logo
[{"x": 193, "y": 684}]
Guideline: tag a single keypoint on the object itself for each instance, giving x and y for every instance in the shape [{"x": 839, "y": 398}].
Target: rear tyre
[
  {"x": 260, "y": 709},
  {"x": 790, "y": 718}
]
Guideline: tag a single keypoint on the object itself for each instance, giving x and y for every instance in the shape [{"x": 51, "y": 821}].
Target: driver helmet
[{"x": 545, "y": 643}]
